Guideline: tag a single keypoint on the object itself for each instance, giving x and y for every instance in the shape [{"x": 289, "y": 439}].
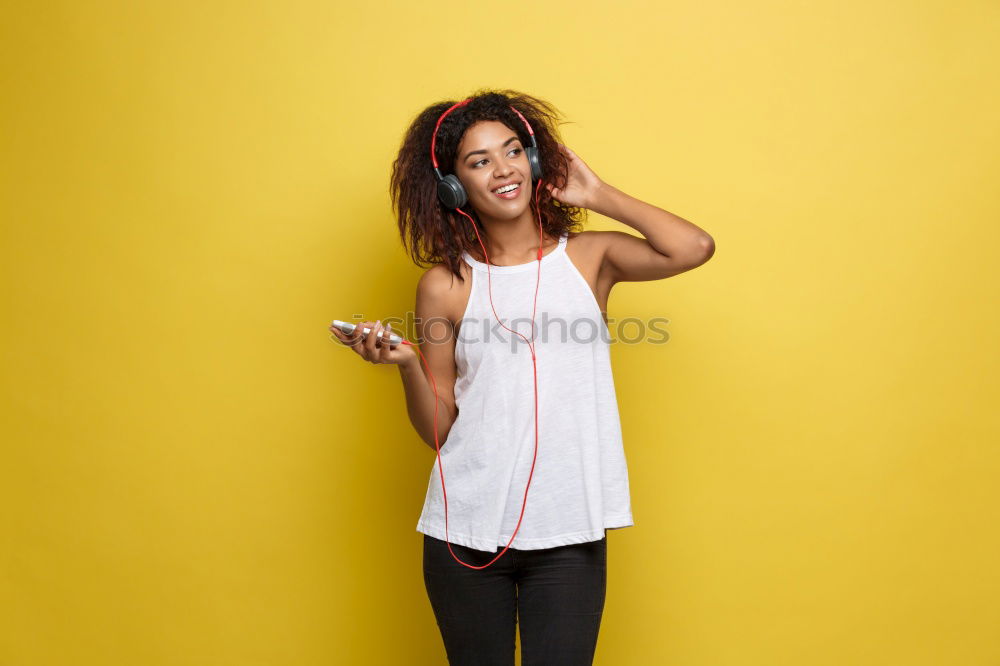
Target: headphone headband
[
  {"x": 434, "y": 160},
  {"x": 450, "y": 190},
  {"x": 531, "y": 132}
]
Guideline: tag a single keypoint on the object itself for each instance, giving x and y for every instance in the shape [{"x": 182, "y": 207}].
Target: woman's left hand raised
[{"x": 581, "y": 184}]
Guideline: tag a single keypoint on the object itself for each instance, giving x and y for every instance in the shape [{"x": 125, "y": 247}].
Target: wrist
[
  {"x": 599, "y": 198},
  {"x": 411, "y": 364}
]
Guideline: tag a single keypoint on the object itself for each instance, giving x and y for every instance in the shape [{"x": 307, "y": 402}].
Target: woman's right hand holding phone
[{"x": 375, "y": 347}]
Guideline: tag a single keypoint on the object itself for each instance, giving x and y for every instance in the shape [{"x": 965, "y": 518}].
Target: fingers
[
  {"x": 382, "y": 343},
  {"x": 343, "y": 337},
  {"x": 354, "y": 339},
  {"x": 374, "y": 351},
  {"x": 374, "y": 348},
  {"x": 388, "y": 334},
  {"x": 355, "y": 335}
]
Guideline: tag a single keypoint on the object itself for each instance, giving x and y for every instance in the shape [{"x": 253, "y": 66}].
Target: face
[{"x": 491, "y": 156}]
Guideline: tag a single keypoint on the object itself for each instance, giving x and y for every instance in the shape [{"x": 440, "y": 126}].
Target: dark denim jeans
[{"x": 557, "y": 595}]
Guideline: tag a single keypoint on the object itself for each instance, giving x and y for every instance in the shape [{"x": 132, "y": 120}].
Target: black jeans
[{"x": 557, "y": 595}]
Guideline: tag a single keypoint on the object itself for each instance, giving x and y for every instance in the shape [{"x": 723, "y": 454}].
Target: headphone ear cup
[
  {"x": 534, "y": 161},
  {"x": 450, "y": 191}
]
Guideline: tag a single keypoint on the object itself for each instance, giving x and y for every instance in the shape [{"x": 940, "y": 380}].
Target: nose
[{"x": 502, "y": 168}]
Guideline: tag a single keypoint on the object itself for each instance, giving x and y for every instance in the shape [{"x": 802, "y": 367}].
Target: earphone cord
[{"x": 534, "y": 366}]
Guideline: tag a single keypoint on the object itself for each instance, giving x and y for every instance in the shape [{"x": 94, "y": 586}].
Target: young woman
[{"x": 528, "y": 432}]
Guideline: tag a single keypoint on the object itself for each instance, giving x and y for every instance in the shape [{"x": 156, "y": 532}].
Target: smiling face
[{"x": 490, "y": 157}]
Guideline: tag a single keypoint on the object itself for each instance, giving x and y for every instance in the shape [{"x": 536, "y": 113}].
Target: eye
[{"x": 475, "y": 165}]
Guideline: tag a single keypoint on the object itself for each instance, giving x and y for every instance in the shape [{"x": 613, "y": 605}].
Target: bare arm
[
  {"x": 671, "y": 245},
  {"x": 438, "y": 347},
  {"x": 437, "y": 343}
]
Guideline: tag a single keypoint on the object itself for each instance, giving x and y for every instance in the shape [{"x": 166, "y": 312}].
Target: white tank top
[{"x": 580, "y": 485}]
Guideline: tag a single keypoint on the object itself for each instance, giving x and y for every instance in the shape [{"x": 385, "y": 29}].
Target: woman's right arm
[
  {"x": 436, "y": 333},
  {"x": 435, "y": 330}
]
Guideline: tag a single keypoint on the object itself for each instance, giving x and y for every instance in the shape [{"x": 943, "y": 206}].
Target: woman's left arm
[{"x": 671, "y": 245}]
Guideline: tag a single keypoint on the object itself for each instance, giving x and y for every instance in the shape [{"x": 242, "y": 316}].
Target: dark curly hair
[{"x": 434, "y": 234}]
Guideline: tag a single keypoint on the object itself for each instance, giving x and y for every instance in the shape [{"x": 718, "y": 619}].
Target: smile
[{"x": 508, "y": 191}]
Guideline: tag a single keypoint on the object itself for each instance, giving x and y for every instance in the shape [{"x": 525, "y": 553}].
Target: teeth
[{"x": 506, "y": 188}]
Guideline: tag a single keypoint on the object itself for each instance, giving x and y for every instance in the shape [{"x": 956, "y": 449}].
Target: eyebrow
[{"x": 476, "y": 152}]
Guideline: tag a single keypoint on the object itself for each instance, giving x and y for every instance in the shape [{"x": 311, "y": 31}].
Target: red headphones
[
  {"x": 450, "y": 190},
  {"x": 452, "y": 194}
]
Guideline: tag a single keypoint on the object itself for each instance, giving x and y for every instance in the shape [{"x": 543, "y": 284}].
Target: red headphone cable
[{"x": 534, "y": 366}]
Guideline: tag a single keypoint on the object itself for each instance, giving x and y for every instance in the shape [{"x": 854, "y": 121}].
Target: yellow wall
[{"x": 194, "y": 474}]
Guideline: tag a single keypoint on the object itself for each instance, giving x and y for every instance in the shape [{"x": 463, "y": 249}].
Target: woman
[{"x": 543, "y": 479}]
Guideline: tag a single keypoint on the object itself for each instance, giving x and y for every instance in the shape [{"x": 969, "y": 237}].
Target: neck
[{"x": 511, "y": 242}]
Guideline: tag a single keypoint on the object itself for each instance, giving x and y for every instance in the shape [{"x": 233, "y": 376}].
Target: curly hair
[{"x": 434, "y": 234}]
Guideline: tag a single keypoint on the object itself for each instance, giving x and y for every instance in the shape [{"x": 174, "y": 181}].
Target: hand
[
  {"x": 375, "y": 348},
  {"x": 581, "y": 186}
]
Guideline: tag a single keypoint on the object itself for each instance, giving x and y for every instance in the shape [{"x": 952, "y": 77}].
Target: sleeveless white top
[{"x": 579, "y": 486}]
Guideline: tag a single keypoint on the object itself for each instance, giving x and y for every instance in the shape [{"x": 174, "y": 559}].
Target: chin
[
  {"x": 511, "y": 213},
  {"x": 505, "y": 212}
]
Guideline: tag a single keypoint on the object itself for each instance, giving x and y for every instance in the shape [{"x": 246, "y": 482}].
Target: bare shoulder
[
  {"x": 436, "y": 280},
  {"x": 587, "y": 238},
  {"x": 588, "y": 249},
  {"x": 439, "y": 291},
  {"x": 587, "y": 244},
  {"x": 592, "y": 243}
]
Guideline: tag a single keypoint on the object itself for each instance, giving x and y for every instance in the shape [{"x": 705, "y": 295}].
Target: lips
[{"x": 511, "y": 194}]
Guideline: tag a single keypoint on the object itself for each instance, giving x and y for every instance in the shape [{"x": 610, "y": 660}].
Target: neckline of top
[{"x": 493, "y": 269}]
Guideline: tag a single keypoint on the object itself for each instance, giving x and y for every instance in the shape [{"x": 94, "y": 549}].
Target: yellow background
[{"x": 194, "y": 474}]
